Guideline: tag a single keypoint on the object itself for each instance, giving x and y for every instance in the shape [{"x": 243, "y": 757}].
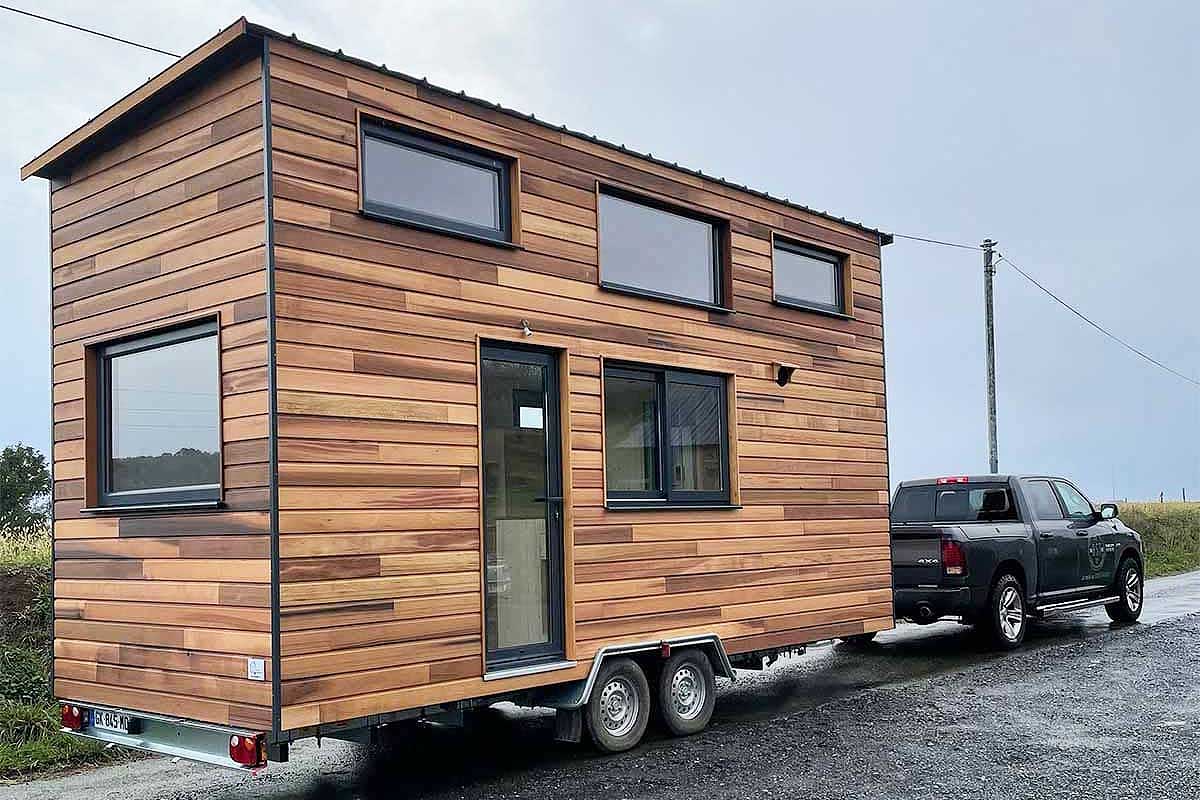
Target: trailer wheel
[
  {"x": 687, "y": 692},
  {"x": 619, "y": 708}
]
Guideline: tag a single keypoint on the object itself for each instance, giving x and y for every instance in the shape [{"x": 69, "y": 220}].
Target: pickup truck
[{"x": 997, "y": 550}]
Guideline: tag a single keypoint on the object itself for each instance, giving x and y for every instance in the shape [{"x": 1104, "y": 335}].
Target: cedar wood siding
[
  {"x": 159, "y": 613},
  {"x": 378, "y": 327}
]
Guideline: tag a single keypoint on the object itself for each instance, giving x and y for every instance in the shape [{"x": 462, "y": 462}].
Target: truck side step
[{"x": 1075, "y": 605}]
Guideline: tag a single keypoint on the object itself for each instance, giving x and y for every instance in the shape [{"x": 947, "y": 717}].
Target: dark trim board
[{"x": 272, "y": 396}]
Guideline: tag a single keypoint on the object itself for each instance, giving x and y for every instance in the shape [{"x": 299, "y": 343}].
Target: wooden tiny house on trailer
[{"x": 372, "y": 400}]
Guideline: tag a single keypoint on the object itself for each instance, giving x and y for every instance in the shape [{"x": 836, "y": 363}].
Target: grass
[
  {"x": 1170, "y": 535},
  {"x": 30, "y": 742}
]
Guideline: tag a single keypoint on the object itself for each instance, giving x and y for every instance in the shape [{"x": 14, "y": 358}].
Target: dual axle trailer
[{"x": 373, "y": 401}]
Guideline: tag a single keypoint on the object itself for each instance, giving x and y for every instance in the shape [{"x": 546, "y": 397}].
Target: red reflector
[
  {"x": 666, "y": 649},
  {"x": 72, "y": 717},
  {"x": 954, "y": 560},
  {"x": 249, "y": 751},
  {"x": 956, "y": 479}
]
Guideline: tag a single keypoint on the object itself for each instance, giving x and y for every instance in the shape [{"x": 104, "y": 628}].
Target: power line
[
  {"x": 927, "y": 240},
  {"x": 1097, "y": 326},
  {"x": 89, "y": 30}
]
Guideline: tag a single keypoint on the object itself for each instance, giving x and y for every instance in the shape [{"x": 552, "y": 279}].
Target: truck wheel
[
  {"x": 619, "y": 708},
  {"x": 687, "y": 692},
  {"x": 1129, "y": 589},
  {"x": 1006, "y": 606}
]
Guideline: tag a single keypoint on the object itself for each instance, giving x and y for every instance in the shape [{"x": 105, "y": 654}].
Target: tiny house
[{"x": 373, "y": 401}]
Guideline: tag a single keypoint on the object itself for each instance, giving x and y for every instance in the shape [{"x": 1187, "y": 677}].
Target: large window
[
  {"x": 159, "y": 431},
  {"x": 652, "y": 250},
  {"x": 807, "y": 277},
  {"x": 414, "y": 178},
  {"x": 665, "y": 436}
]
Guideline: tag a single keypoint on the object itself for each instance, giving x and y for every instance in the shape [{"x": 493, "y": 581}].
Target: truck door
[
  {"x": 1058, "y": 547},
  {"x": 1097, "y": 557}
]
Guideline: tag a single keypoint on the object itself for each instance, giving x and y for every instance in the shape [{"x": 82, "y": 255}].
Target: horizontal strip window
[
  {"x": 158, "y": 404},
  {"x": 666, "y": 437},
  {"x": 433, "y": 183},
  {"x": 660, "y": 251},
  {"x": 807, "y": 277}
]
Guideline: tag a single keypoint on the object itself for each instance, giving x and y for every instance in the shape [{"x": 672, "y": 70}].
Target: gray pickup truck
[{"x": 996, "y": 550}]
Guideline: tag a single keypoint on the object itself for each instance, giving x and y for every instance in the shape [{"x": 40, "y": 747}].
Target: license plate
[{"x": 111, "y": 721}]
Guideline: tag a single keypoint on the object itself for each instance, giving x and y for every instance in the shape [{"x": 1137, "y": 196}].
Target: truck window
[
  {"x": 991, "y": 503},
  {"x": 1043, "y": 500},
  {"x": 1078, "y": 506}
]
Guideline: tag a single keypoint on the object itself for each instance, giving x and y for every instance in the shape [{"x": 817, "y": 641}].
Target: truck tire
[
  {"x": 1130, "y": 588},
  {"x": 619, "y": 709},
  {"x": 1007, "y": 620},
  {"x": 687, "y": 692}
]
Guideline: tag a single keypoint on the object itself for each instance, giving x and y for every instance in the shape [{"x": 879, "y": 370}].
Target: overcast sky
[{"x": 1067, "y": 131}]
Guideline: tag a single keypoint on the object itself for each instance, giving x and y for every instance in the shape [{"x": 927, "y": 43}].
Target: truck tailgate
[{"x": 917, "y": 554}]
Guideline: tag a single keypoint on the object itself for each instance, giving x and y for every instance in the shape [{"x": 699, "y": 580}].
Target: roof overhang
[{"x": 49, "y": 163}]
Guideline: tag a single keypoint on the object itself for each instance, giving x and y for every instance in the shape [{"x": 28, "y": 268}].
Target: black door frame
[{"x": 553, "y": 649}]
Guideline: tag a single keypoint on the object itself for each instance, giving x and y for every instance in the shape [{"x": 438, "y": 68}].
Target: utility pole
[{"x": 989, "y": 272}]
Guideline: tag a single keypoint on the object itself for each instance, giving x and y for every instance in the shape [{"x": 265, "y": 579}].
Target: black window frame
[
  {"x": 1033, "y": 511},
  {"x": 838, "y": 260},
  {"x": 666, "y": 496},
  {"x": 209, "y": 494},
  {"x": 720, "y": 250},
  {"x": 445, "y": 148}
]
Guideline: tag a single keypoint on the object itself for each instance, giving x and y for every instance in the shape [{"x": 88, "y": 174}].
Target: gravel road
[{"x": 1084, "y": 710}]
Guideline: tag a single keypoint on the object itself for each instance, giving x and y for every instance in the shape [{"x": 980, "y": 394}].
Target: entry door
[{"x": 522, "y": 507}]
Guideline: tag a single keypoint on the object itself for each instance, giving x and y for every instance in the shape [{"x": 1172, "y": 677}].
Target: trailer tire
[
  {"x": 619, "y": 709},
  {"x": 687, "y": 692}
]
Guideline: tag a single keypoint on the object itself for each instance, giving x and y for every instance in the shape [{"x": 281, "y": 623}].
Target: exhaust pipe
[{"x": 925, "y": 614}]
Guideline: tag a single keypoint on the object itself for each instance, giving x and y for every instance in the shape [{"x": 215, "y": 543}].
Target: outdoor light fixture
[{"x": 783, "y": 372}]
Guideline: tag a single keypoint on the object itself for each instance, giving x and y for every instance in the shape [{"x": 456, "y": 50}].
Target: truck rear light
[
  {"x": 249, "y": 751},
  {"x": 956, "y": 479},
  {"x": 954, "y": 560},
  {"x": 72, "y": 717}
]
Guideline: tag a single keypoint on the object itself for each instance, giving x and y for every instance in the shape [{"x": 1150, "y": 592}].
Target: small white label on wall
[{"x": 256, "y": 669}]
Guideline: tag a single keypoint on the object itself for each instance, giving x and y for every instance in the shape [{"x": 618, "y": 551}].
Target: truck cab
[{"x": 996, "y": 550}]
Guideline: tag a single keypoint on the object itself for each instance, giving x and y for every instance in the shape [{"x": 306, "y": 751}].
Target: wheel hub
[
  {"x": 687, "y": 692},
  {"x": 1133, "y": 590},
  {"x": 619, "y": 706},
  {"x": 1012, "y": 613}
]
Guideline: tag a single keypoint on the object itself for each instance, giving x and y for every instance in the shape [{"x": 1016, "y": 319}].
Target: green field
[
  {"x": 1170, "y": 534},
  {"x": 29, "y": 719}
]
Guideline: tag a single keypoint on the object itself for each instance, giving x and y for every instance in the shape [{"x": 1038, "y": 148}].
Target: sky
[{"x": 1064, "y": 130}]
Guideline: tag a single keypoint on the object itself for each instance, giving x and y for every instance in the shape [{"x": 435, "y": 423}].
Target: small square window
[
  {"x": 665, "y": 436},
  {"x": 159, "y": 418},
  {"x": 421, "y": 180},
  {"x": 808, "y": 278}
]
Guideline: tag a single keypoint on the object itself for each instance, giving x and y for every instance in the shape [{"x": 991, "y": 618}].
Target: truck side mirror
[{"x": 1108, "y": 511}]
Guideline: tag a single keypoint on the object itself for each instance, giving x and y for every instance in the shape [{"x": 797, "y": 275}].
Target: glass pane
[
  {"x": 432, "y": 184},
  {"x": 1041, "y": 497},
  {"x": 913, "y": 505},
  {"x": 695, "y": 435},
  {"x": 804, "y": 278},
  {"x": 631, "y": 434},
  {"x": 164, "y": 416},
  {"x": 1077, "y": 505},
  {"x": 648, "y": 248},
  {"x": 515, "y": 521}
]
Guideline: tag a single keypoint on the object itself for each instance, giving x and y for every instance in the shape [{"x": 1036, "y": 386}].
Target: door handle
[
  {"x": 1083, "y": 532},
  {"x": 1047, "y": 535}
]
